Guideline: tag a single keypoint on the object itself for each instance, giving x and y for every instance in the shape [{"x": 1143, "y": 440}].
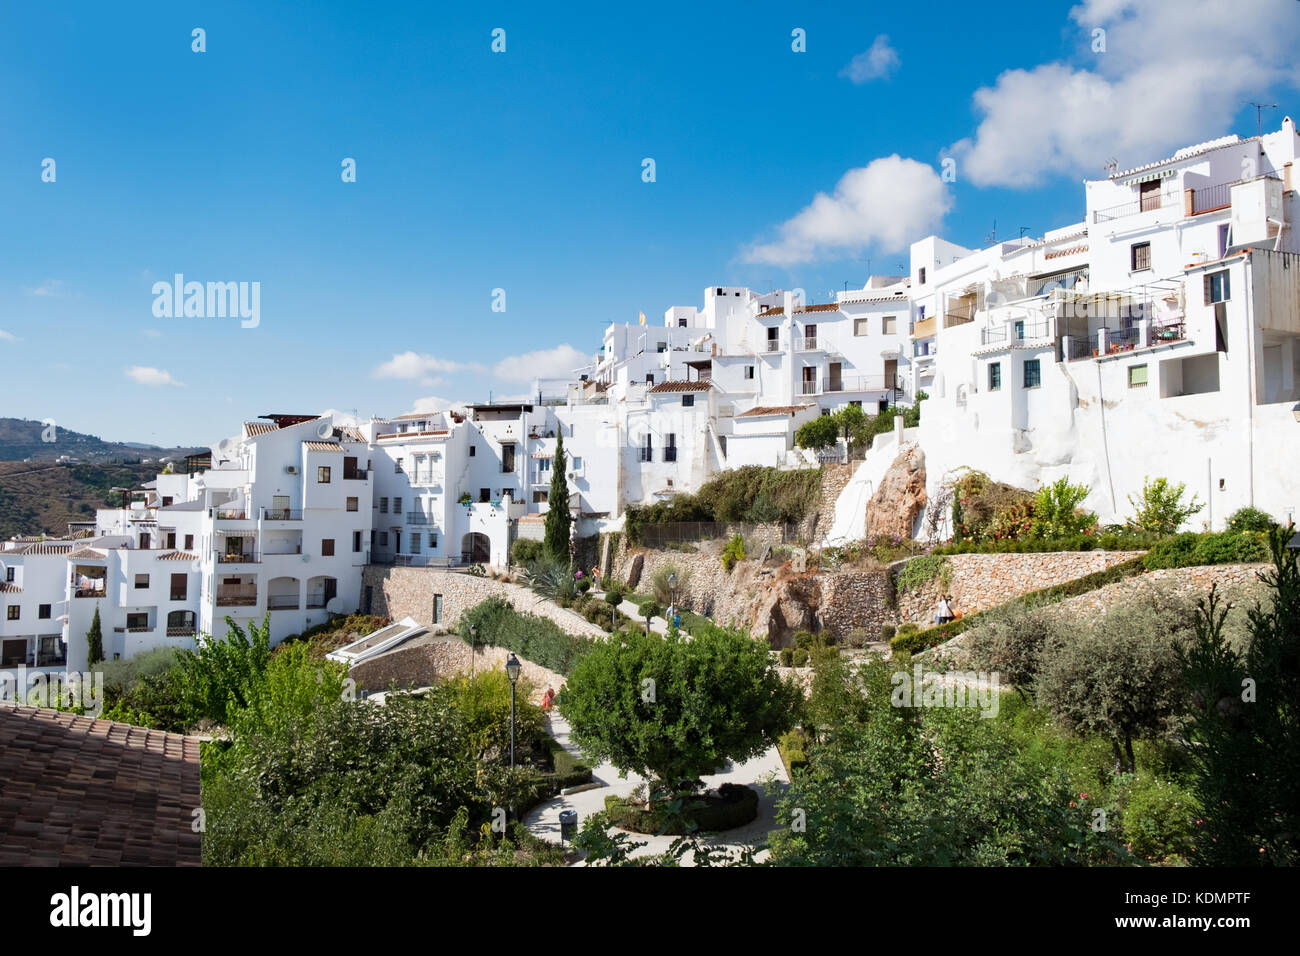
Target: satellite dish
[
  {"x": 334, "y": 605},
  {"x": 226, "y": 448},
  {"x": 325, "y": 429},
  {"x": 306, "y": 558}
]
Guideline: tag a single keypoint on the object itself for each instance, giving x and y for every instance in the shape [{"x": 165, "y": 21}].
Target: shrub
[
  {"x": 799, "y": 656},
  {"x": 919, "y": 572},
  {"x": 821, "y": 432},
  {"x": 663, "y": 591},
  {"x": 887, "y": 632},
  {"x": 1058, "y": 511},
  {"x": 858, "y": 637},
  {"x": 792, "y": 748},
  {"x": 733, "y": 552},
  {"x": 786, "y": 656},
  {"x": 525, "y": 551},
  {"x": 1009, "y": 641},
  {"x": 1250, "y": 519},
  {"x": 1224, "y": 547},
  {"x": 734, "y": 806},
  {"x": 614, "y": 595},
  {"x": 534, "y": 638},
  {"x": 752, "y": 493},
  {"x": 1160, "y": 819},
  {"x": 1159, "y": 509}
]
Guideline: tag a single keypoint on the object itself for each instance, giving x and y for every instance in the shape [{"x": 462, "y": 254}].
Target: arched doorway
[{"x": 476, "y": 548}]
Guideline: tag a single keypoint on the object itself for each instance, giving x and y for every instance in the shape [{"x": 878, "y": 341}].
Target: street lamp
[
  {"x": 473, "y": 639},
  {"x": 512, "y": 671},
  {"x": 672, "y": 589}
]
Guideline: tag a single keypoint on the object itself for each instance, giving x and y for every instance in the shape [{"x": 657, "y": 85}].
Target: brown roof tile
[
  {"x": 322, "y": 446},
  {"x": 681, "y": 387},
  {"x": 761, "y": 410},
  {"x": 81, "y": 791}
]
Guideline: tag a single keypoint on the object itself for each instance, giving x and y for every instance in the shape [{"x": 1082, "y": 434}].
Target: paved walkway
[
  {"x": 657, "y": 624},
  {"x": 765, "y": 773}
]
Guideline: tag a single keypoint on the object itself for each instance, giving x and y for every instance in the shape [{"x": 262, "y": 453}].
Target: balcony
[
  {"x": 355, "y": 474},
  {"x": 924, "y": 328},
  {"x": 1147, "y": 203},
  {"x": 807, "y": 387},
  {"x": 317, "y": 600},
  {"x": 90, "y": 592},
  {"x": 1141, "y": 335},
  {"x": 238, "y": 557},
  {"x": 187, "y": 630},
  {"x": 280, "y": 549},
  {"x": 670, "y": 453},
  {"x": 281, "y": 514},
  {"x": 229, "y": 514},
  {"x": 282, "y": 602},
  {"x": 133, "y": 630},
  {"x": 417, "y": 517},
  {"x": 1015, "y": 334},
  {"x": 957, "y": 318},
  {"x": 807, "y": 344},
  {"x": 236, "y": 597},
  {"x": 772, "y": 345},
  {"x": 862, "y": 383}
]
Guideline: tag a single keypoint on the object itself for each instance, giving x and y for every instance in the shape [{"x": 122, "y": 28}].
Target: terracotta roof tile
[
  {"x": 681, "y": 387},
  {"x": 761, "y": 410},
  {"x": 322, "y": 446},
  {"x": 7, "y": 588},
  {"x": 90, "y": 553},
  {"x": 259, "y": 428},
  {"x": 177, "y": 556},
  {"x": 81, "y": 791}
]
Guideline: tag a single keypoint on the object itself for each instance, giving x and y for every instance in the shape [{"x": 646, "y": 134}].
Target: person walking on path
[{"x": 943, "y": 610}]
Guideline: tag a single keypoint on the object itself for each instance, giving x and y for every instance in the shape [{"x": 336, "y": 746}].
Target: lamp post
[
  {"x": 473, "y": 639},
  {"x": 672, "y": 590},
  {"x": 512, "y": 671}
]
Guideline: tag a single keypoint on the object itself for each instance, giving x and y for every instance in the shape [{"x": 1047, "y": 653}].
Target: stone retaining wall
[
  {"x": 857, "y": 599},
  {"x": 1239, "y": 581},
  {"x": 409, "y": 592},
  {"x": 982, "y": 581}
]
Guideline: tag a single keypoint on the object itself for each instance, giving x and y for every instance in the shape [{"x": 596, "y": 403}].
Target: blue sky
[{"x": 522, "y": 171}]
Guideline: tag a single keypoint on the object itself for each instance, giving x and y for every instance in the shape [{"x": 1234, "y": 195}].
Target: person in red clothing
[{"x": 548, "y": 698}]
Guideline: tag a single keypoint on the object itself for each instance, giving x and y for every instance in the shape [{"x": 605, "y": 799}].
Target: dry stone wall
[
  {"x": 982, "y": 581},
  {"x": 409, "y": 592},
  {"x": 1239, "y": 582}
]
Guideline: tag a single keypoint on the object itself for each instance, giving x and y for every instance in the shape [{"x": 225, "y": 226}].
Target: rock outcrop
[{"x": 893, "y": 509}]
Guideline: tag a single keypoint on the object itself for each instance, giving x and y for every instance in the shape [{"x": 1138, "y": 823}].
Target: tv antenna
[
  {"x": 992, "y": 237},
  {"x": 1259, "y": 115},
  {"x": 1023, "y": 230},
  {"x": 1112, "y": 164}
]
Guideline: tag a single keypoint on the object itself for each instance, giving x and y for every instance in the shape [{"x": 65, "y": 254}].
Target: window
[
  {"x": 670, "y": 447},
  {"x": 1223, "y": 240},
  {"x": 749, "y": 372},
  {"x": 539, "y": 497},
  {"x": 649, "y": 378},
  {"x": 415, "y": 542},
  {"x": 889, "y": 324},
  {"x": 397, "y": 466},
  {"x": 920, "y": 276},
  {"x": 1149, "y": 195},
  {"x": 433, "y": 540},
  {"x": 681, "y": 323},
  {"x": 9, "y": 574},
  {"x": 327, "y": 547},
  {"x": 397, "y": 506},
  {"x": 507, "y": 458},
  {"x": 858, "y": 404},
  {"x": 352, "y": 504},
  {"x": 920, "y": 317},
  {"x": 437, "y": 609},
  {"x": 661, "y": 346},
  {"x": 356, "y": 542},
  {"x": 576, "y": 463},
  {"x": 647, "y": 449},
  {"x": 544, "y": 464},
  {"x": 189, "y": 541},
  {"x": 1018, "y": 329},
  {"x": 1217, "y": 287},
  {"x": 13, "y": 611},
  {"x": 1137, "y": 376},
  {"x": 383, "y": 506},
  {"x": 1139, "y": 256},
  {"x": 471, "y": 451},
  {"x": 43, "y": 611},
  {"x": 688, "y": 401},
  {"x": 179, "y": 586},
  {"x": 383, "y": 539},
  {"x": 861, "y": 326},
  {"x": 139, "y": 621},
  {"x": 484, "y": 495},
  {"x": 323, "y": 475},
  {"x": 1033, "y": 374},
  {"x": 171, "y": 539},
  {"x": 167, "y": 501},
  {"x": 995, "y": 376},
  {"x": 141, "y": 581}
]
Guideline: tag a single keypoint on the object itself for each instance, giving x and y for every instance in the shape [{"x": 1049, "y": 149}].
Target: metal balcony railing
[
  {"x": 236, "y": 597},
  {"x": 1145, "y": 204},
  {"x": 356, "y": 474},
  {"x": 417, "y": 517},
  {"x": 281, "y": 514},
  {"x": 238, "y": 557},
  {"x": 282, "y": 602},
  {"x": 808, "y": 388},
  {"x": 863, "y": 383},
  {"x": 229, "y": 514},
  {"x": 772, "y": 345}
]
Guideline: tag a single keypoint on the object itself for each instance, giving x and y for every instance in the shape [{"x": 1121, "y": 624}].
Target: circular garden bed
[{"x": 730, "y": 806}]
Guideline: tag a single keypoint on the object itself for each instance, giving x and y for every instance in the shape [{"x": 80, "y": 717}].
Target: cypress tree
[
  {"x": 557, "y": 516},
  {"x": 94, "y": 641}
]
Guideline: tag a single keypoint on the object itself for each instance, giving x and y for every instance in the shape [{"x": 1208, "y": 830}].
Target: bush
[
  {"x": 1009, "y": 641},
  {"x": 919, "y": 572},
  {"x": 792, "y": 747},
  {"x": 1159, "y": 509},
  {"x": 859, "y": 637},
  {"x": 662, "y": 590},
  {"x": 733, "y": 552},
  {"x": 752, "y": 494},
  {"x": 526, "y": 551},
  {"x": 734, "y": 806},
  {"x": 786, "y": 656},
  {"x": 887, "y": 632},
  {"x": 614, "y": 595},
  {"x": 799, "y": 656},
  {"x": 534, "y": 638},
  {"x": 1160, "y": 819},
  {"x": 1224, "y": 547},
  {"x": 1250, "y": 519},
  {"x": 1058, "y": 511}
]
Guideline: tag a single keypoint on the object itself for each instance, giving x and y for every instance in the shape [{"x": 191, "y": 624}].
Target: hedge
[
  {"x": 734, "y": 807},
  {"x": 1079, "y": 542},
  {"x": 1224, "y": 547},
  {"x": 537, "y": 639},
  {"x": 917, "y": 641}
]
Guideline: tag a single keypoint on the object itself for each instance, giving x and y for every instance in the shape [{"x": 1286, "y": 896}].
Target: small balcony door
[
  {"x": 891, "y": 373},
  {"x": 280, "y": 506},
  {"x": 836, "y": 378}
]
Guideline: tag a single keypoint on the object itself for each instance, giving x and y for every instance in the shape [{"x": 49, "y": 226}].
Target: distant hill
[
  {"x": 42, "y": 497},
  {"x": 21, "y": 439}
]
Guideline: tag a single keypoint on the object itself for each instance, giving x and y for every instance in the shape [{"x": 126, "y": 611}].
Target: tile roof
[
  {"x": 761, "y": 410},
  {"x": 1069, "y": 251},
  {"x": 412, "y": 416},
  {"x": 41, "y": 548},
  {"x": 322, "y": 446},
  {"x": 259, "y": 428},
  {"x": 824, "y": 307},
  {"x": 81, "y": 791},
  {"x": 7, "y": 588},
  {"x": 90, "y": 553},
  {"x": 177, "y": 556},
  {"x": 348, "y": 433},
  {"x": 1187, "y": 152},
  {"x": 681, "y": 387}
]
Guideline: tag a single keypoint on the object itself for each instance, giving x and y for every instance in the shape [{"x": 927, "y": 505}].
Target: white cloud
[
  {"x": 888, "y": 203},
  {"x": 145, "y": 375},
  {"x": 875, "y": 63},
  {"x": 7, "y": 336},
  {"x": 50, "y": 287},
  {"x": 435, "y": 404},
  {"x": 411, "y": 364},
  {"x": 558, "y": 362},
  {"x": 1173, "y": 73}
]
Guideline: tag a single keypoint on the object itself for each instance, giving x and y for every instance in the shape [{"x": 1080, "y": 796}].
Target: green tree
[
  {"x": 822, "y": 432},
  {"x": 1159, "y": 509},
  {"x": 557, "y": 512},
  {"x": 1117, "y": 676},
  {"x": 221, "y": 676},
  {"x": 94, "y": 641},
  {"x": 1245, "y": 725},
  {"x": 850, "y": 420},
  {"x": 672, "y": 708}
]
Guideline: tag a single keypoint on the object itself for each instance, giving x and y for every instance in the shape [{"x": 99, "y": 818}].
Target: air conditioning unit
[{"x": 291, "y": 469}]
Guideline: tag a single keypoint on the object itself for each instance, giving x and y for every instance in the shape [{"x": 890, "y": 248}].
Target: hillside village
[{"x": 1005, "y": 423}]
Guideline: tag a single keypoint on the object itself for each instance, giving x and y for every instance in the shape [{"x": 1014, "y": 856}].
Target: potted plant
[{"x": 464, "y": 499}]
